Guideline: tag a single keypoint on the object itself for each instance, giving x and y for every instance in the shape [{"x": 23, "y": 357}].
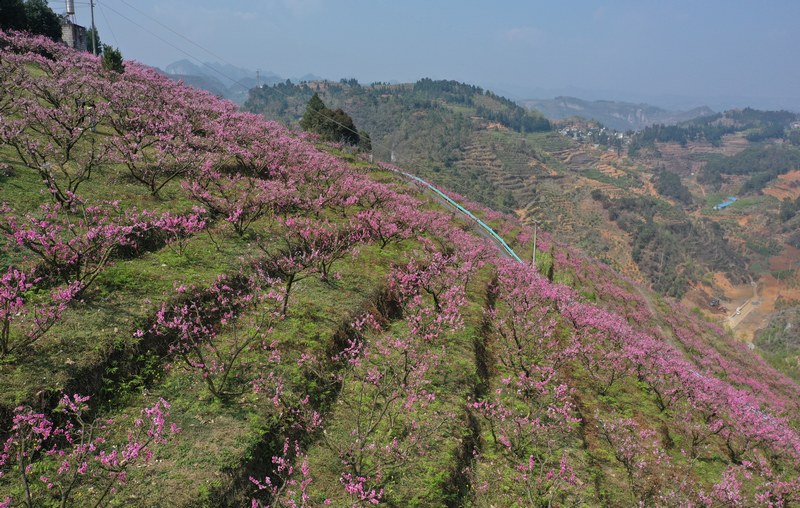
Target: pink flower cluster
[{"x": 78, "y": 456}]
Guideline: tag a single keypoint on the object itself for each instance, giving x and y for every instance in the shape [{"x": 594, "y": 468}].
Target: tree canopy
[
  {"x": 670, "y": 185},
  {"x": 42, "y": 20},
  {"x": 33, "y": 16},
  {"x": 313, "y": 116},
  {"x": 112, "y": 59},
  {"x": 12, "y": 15},
  {"x": 331, "y": 125}
]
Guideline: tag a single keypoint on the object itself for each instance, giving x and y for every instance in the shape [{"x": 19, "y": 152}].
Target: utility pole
[
  {"x": 94, "y": 29},
  {"x": 258, "y": 78}
]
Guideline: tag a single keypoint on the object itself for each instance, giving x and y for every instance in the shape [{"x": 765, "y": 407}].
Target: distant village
[{"x": 593, "y": 132}]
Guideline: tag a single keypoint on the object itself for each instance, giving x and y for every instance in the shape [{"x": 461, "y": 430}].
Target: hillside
[
  {"x": 429, "y": 124},
  {"x": 752, "y": 156},
  {"x": 621, "y": 116},
  {"x": 612, "y": 194},
  {"x": 648, "y": 209},
  {"x": 203, "y": 308}
]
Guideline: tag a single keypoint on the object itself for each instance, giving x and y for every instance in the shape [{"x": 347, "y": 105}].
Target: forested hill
[
  {"x": 755, "y": 124},
  {"x": 286, "y": 102},
  {"x": 773, "y": 149},
  {"x": 430, "y": 124}
]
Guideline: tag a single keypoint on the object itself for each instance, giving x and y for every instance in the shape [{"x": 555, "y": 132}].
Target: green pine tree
[
  {"x": 312, "y": 118},
  {"x": 112, "y": 59},
  {"x": 42, "y": 20}
]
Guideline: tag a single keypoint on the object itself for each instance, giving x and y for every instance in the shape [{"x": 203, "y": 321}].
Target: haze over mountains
[
  {"x": 617, "y": 110},
  {"x": 622, "y": 116},
  {"x": 233, "y": 83},
  {"x": 225, "y": 80},
  {"x": 719, "y": 101}
]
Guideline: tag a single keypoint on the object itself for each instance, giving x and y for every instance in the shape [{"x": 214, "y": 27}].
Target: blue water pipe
[{"x": 463, "y": 210}]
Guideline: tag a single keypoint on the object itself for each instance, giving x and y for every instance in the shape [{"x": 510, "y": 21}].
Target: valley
[
  {"x": 590, "y": 186},
  {"x": 747, "y": 222}
]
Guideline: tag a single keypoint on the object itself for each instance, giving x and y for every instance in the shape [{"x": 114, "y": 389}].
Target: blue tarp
[{"x": 725, "y": 203}]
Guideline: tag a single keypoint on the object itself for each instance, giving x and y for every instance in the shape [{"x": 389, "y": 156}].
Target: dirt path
[{"x": 744, "y": 310}]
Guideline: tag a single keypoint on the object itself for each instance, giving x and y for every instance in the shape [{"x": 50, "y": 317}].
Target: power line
[
  {"x": 62, "y": 3},
  {"x": 173, "y": 46},
  {"x": 103, "y": 13},
  {"x": 223, "y": 60},
  {"x": 155, "y": 20},
  {"x": 238, "y": 82},
  {"x": 319, "y": 114}
]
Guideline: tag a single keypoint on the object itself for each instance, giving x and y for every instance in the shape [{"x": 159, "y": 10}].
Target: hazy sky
[{"x": 635, "y": 49}]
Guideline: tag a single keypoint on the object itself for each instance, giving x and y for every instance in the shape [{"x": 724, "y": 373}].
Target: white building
[{"x": 74, "y": 35}]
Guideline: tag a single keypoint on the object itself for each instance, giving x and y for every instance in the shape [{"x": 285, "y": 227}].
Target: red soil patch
[
  {"x": 785, "y": 186},
  {"x": 650, "y": 189}
]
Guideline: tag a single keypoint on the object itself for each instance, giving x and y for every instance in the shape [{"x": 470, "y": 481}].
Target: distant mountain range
[
  {"x": 622, "y": 116},
  {"x": 233, "y": 83},
  {"x": 225, "y": 80}
]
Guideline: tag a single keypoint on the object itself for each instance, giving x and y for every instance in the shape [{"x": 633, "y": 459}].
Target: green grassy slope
[{"x": 418, "y": 367}]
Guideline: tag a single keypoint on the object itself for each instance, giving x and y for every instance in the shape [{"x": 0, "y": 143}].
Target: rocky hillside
[{"x": 202, "y": 308}]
